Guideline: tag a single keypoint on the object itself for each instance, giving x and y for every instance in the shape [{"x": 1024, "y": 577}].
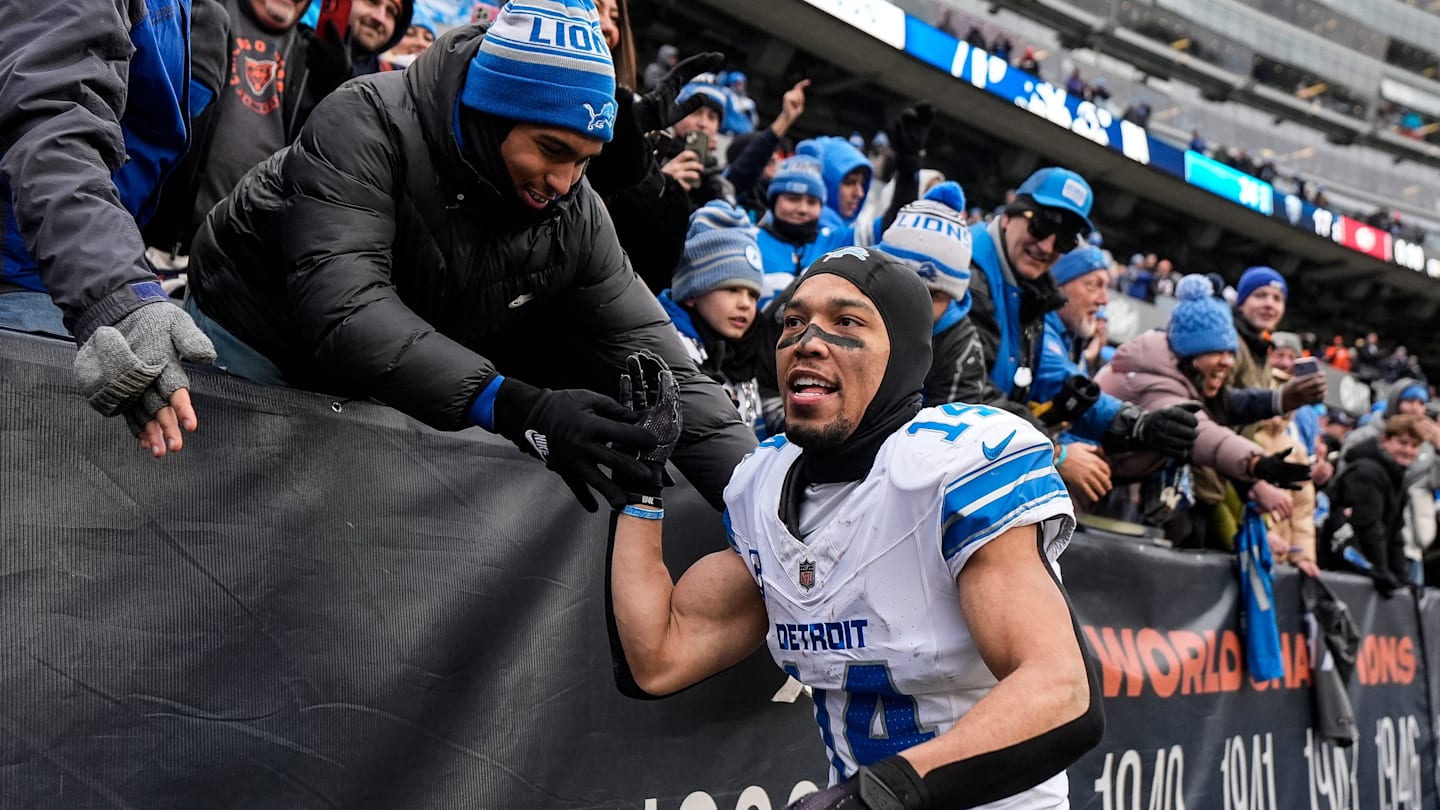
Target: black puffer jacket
[
  {"x": 1372, "y": 487},
  {"x": 373, "y": 258}
]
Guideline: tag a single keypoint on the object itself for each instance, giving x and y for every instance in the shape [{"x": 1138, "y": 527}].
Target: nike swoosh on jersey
[{"x": 993, "y": 453}]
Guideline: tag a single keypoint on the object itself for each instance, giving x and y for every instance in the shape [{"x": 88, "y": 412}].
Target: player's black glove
[
  {"x": 327, "y": 58},
  {"x": 1275, "y": 469},
  {"x": 1170, "y": 431},
  {"x": 649, "y": 390},
  {"x": 570, "y": 430},
  {"x": 657, "y": 109},
  {"x": 890, "y": 784},
  {"x": 911, "y": 129}
]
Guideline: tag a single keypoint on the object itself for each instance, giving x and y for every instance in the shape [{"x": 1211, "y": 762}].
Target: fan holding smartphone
[{"x": 692, "y": 134}]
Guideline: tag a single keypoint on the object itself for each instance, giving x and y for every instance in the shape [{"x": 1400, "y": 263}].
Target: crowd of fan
[{"x": 303, "y": 234}]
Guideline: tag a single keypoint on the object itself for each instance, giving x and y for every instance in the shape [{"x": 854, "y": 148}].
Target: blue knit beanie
[
  {"x": 1257, "y": 277},
  {"x": 1078, "y": 262},
  {"x": 1416, "y": 391},
  {"x": 545, "y": 62},
  {"x": 800, "y": 174},
  {"x": 717, "y": 257},
  {"x": 1200, "y": 323}
]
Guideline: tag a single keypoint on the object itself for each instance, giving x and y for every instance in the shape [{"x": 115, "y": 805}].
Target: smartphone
[
  {"x": 1306, "y": 366},
  {"x": 337, "y": 14},
  {"x": 699, "y": 143}
]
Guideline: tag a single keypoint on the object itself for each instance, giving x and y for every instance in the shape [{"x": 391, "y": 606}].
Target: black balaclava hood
[{"x": 903, "y": 301}]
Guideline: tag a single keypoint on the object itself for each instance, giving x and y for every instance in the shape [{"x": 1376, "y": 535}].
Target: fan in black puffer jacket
[
  {"x": 379, "y": 257},
  {"x": 1368, "y": 499}
]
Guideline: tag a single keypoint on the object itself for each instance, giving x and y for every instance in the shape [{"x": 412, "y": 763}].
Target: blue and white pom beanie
[
  {"x": 716, "y": 214},
  {"x": 546, "y": 62},
  {"x": 929, "y": 236},
  {"x": 718, "y": 256},
  {"x": 1200, "y": 323},
  {"x": 799, "y": 174}
]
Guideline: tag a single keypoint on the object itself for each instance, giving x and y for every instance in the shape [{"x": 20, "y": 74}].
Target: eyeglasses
[{"x": 1046, "y": 222}]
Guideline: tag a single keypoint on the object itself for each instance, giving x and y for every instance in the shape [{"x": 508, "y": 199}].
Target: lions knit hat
[
  {"x": 1257, "y": 277},
  {"x": 1081, "y": 261},
  {"x": 545, "y": 62},
  {"x": 717, "y": 257},
  {"x": 1200, "y": 323},
  {"x": 930, "y": 238},
  {"x": 800, "y": 174}
]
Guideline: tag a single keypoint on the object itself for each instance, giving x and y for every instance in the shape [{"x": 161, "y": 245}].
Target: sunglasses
[{"x": 1046, "y": 222}]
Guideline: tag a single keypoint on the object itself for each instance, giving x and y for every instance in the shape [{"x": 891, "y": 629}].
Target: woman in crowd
[{"x": 1191, "y": 362}]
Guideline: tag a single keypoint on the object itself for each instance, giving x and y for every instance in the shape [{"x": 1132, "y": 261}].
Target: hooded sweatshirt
[{"x": 839, "y": 158}]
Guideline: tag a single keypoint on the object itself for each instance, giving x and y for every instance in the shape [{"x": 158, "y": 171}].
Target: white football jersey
[{"x": 866, "y": 611}]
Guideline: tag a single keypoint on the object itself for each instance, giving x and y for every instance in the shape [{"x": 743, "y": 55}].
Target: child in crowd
[{"x": 712, "y": 302}]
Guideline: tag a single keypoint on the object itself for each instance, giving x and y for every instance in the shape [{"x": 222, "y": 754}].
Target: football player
[{"x": 899, "y": 561}]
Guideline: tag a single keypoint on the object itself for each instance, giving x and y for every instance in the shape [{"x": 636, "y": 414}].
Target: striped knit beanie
[
  {"x": 545, "y": 62},
  {"x": 717, "y": 257}
]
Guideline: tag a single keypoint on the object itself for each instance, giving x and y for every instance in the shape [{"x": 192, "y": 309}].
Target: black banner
[
  {"x": 1188, "y": 727},
  {"x": 322, "y": 604}
]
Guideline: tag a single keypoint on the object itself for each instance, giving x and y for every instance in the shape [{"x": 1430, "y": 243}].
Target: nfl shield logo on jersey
[{"x": 807, "y": 574}]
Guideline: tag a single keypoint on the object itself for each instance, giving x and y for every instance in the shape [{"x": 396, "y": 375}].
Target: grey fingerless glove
[{"x": 133, "y": 367}]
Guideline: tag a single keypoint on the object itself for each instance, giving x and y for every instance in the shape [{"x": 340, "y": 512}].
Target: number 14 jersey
[{"x": 865, "y": 610}]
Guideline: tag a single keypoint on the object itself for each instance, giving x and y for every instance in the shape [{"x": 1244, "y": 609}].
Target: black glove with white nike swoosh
[{"x": 571, "y": 431}]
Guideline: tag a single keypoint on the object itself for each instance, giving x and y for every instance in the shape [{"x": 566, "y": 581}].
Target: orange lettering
[
  {"x": 1299, "y": 673},
  {"x": 1191, "y": 649},
  {"x": 1365, "y": 663},
  {"x": 1405, "y": 661},
  {"x": 1212, "y": 655},
  {"x": 1163, "y": 681},
  {"x": 1230, "y": 666},
  {"x": 1118, "y": 660}
]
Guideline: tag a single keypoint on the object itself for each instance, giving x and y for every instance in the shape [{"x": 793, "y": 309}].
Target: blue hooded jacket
[{"x": 839, "y": 158}]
